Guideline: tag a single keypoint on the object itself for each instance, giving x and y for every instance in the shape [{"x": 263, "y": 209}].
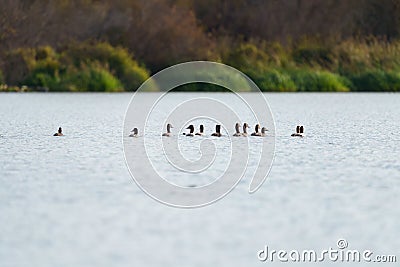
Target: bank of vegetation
[{"x": 284, "y": 46}]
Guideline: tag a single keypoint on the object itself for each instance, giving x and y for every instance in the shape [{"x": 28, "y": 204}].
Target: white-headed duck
[
  {"x": 59, "y": 133},
  {"x": 168, "y": 133}
]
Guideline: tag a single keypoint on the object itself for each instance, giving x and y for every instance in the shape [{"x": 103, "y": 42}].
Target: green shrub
[
  {"x": 376, "y": 80},
  {"x": 315, "y": 57},
  {"x": 89, "y": 78},
  {"x": 41, "y": 79},
  {"x": 44, "y": 72},
  {"x": 119, "y": 61},
  {"x": 247, "y": 57},
  {"x": 32, "y": 67},
  {"x": 309, "y": 65},
  {"x": 309, "y": 80},
  {"x": 81, "y": 67},
  {"x": 49, "y": 66},
  {"x": 133, "y": 77},
  {"x": 273, "y": 80},
  {"x": 44, "y": 53},
  {"x": 357, "y": 56}
]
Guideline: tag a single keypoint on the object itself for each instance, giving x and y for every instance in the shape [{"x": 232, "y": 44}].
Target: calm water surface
[{"x": 70, "y": 201}]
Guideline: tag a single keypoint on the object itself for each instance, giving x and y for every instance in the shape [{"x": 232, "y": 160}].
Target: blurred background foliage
[{"x": 283, "y": 45}]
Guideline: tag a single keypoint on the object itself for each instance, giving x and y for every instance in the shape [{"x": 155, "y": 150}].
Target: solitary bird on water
[
  {"x": 217, "y": 131},
  {"x": 201, "y": 130},
  {"x": 237, "y": 129},
  {"x": 256, "y": 133},
  {"x": 191, "y": 128},
  {"x": 59, "y": 133},
  {"x": 245, "y": 126},
  {"x": 168, "y": 133},
  {"x": 263, "y": 131},
  {"x": 134, "y": 132}
]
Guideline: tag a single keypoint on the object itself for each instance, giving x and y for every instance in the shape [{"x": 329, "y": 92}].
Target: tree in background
[{"x": 343, "y": 37}]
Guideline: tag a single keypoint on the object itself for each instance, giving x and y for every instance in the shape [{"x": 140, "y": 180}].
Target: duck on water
[
  {"x": 245, "y": 127},
  {"x": 257, "y": 133},
  {"x": 168, "y": 133},
  {"x": 201, "y": 133},
  {"x": 217, "y": 131},
  {"x": 299, "y": 131},
  {"x": 59, "y": 133},
  {"x": 134, "y": 132},
  {"x": 191, "y": 128},
  {"x": 256, "y": 128},
  {"x": 263, "y": 131},
  {"x": 237, "y": 129}
]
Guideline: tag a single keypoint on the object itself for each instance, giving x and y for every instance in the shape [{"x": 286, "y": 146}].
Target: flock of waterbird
[
  {"x": 135, "y": 132},
  {"x": 217, "y": 133}
]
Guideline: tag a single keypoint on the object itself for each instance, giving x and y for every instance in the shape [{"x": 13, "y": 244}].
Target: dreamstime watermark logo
[
  {"x": 341, "y": 253},
  {"x": 192, "y": 171}
]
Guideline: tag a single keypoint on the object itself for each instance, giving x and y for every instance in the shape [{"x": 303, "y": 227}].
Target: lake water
[{"x": 71, "y": 201}]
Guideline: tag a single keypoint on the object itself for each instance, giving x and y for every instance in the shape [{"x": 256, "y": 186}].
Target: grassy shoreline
[
  {"x": 307, "y": 66},
  {"x": 16, "y": 90}
]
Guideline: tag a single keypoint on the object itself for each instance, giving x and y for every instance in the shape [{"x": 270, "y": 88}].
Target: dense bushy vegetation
[
  {"x": 286, "y": 45},
  {"x": 82, "y": 67}
]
